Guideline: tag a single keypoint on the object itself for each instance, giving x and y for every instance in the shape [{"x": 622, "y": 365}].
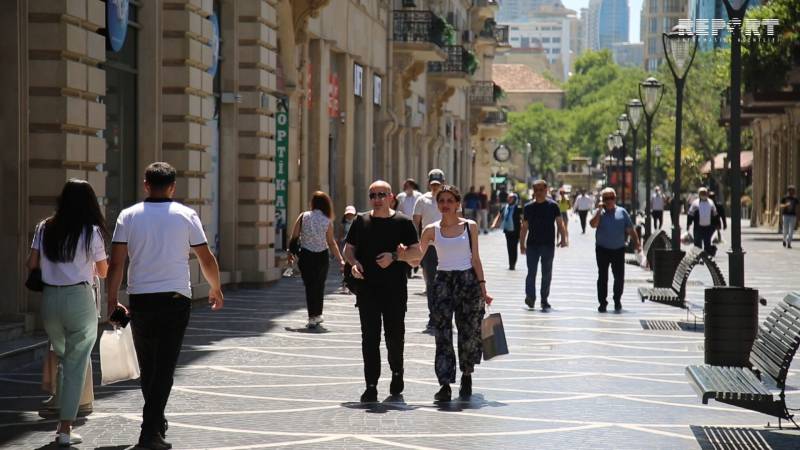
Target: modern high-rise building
[
  {"x": 658, "y": 17},
  {"x": 613, "y": 19},
  {"x": 706, "y": 10},
  {"x": 518, "y": 10},
  {"x": 628, "y": 53},
  {"x": 589, "y": 32},
  {"x": 548, "y": 28}
]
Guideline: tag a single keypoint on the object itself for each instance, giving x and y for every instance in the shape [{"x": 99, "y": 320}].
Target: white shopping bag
[
  {"x": 118, "y": 356},
  {"x": 640, "y": 258}
]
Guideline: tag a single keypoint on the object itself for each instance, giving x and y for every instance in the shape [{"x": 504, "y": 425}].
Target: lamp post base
[{"x": 736, "y": 268}]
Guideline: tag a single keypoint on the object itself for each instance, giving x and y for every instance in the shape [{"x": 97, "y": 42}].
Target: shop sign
[
  {"x": 333, "y": 96},
  {"x": 116, "y": 23},
  {"x": 214, "y": 44},
  {"x": 358, "y": 80},
  {"x": 376, "y": 90},
  {"x": 281, "y": 165}
]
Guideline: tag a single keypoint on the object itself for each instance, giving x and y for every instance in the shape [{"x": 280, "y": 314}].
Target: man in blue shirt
[
  {"x": 612, "y": 223},
  {"x": 540, "y": 216},
  {"x": 509, "y": 218}
]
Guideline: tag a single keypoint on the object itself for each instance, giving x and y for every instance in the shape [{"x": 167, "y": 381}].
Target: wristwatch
[{"x": 394, "y": 256}]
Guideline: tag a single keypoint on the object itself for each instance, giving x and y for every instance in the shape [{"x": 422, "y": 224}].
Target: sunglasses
[
  {"x": 607, "y": 199},
  {"x": 380, "y": 195}
]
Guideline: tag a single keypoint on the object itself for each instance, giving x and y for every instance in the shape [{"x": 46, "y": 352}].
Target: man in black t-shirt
[
  {"x": 789, "y": 211},
  {"x": 540, "y": 217},
  {"x": 379, "y": 245}
]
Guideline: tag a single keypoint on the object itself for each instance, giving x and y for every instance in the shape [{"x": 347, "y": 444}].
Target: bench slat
[
  {"x": 773, "y": 340},
  {"x": 757, "y": 384},
  {"x": 765, "y": 365},
  {"x": 701, "y": 384},
  {"x": 732, "y": 391},
  {"x": 766, "y": 344},
  {"x": 789, "y": 329}
]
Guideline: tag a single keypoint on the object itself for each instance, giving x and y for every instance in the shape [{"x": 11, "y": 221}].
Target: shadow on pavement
[
  {"x": 390, "y": 403},
  {"x": 257, "y": 302},
  {"x": 717, "y": 438}
]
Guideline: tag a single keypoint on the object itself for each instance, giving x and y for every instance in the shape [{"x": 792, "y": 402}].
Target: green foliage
[
  {"x": 449, "y": 33},
  {"x": 765, "y": 63},
  {"x": 471, "y": 62},
  {"x": 596, "y": 95}
]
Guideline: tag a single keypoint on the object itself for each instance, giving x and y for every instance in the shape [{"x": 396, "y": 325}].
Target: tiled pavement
[{"x": 250, "y": 377}]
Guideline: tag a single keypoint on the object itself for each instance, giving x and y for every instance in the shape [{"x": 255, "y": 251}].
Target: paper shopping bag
[
  {"x": 494, "y": 336},
  {"x": 118, "y": 356}
]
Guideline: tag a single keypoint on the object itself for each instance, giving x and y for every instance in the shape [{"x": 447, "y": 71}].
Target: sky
[{"x": 635, "y": 10}]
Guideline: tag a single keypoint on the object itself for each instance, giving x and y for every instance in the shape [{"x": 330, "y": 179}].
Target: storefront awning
[{"x": 745, "y": 158}]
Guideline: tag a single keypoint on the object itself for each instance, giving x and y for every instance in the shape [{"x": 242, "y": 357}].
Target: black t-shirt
[
  {"x": 541, "y": 219},
  {"x": 792, "y": 208},
  {"x": 376, "y": 235}
]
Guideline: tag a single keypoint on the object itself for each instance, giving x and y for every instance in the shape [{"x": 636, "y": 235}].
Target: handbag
[
  {"x": 34, "y": 281},
  {"x": 493, "y": 336},
  {"x": 294, "y": 243},
  {"x": 118, "y": 356}
]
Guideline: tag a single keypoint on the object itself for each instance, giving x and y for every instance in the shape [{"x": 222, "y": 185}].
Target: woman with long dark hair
[
  {"x": 459, "y": 289},
  {"x": 314, "y": 228},
  {"x": 69, "y": 248}
]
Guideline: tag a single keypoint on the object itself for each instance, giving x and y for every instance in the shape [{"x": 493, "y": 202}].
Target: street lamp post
[
  {"x": 624, "y": 126},
  {"x": 618, "y": 148},
  {"x": 528, "y": 152},
  {"x": 634, "y": 110},
  {"x": 680, "y": 46},
  {"x": 650, "y": 93},
  {"x": 610, "y": 143},
  {"x": 736, "y": 10},
  {"x": 659, "y": 176}
]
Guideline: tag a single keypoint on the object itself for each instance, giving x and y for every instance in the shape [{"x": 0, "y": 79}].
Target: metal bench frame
[
  {"x": 650, "y": 247},
  {"x": 676, "y": 295},
  {"x": 752, "y": 388}
]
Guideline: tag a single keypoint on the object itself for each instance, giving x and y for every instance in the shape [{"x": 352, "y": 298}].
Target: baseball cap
[
  {"x": 436, "y": 176},
  {"x": 350, "y": 209}
]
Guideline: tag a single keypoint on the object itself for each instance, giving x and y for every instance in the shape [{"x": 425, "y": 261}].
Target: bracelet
[{"x": 481, "y": 281}]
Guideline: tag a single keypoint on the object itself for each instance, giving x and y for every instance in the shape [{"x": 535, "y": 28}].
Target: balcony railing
[
  {"x": 495, "y": 118},
  {"x": 497, "y": 32},
  {"x": 417, "y": 26},
  {"x": 481, "y": 93},
  {"x": 456, "y": 62}
]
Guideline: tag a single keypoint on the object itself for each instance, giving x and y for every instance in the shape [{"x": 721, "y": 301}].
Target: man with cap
[{"x": 426, "y": 212}]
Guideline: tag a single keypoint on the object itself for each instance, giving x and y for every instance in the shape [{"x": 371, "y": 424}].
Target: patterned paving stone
[{"x": 251, "y": 377}]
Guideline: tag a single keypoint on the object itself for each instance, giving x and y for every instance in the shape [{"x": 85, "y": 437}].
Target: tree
[{"x": 543, "y": 129}]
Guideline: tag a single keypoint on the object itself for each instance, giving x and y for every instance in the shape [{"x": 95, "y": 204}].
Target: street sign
[
  {"x": 281, "y": 169},
  {"x": 497, "y": 180}
]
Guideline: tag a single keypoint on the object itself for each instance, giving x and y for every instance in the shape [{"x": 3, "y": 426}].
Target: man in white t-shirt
[
  {"x": 426, "y": 212},
  {"x": 703, "y": 214},
  {"x": 583, "y": 205},
  {"x": 407, "y": 199},
  {"x": 657, "y": 208},
  {"x": 157, "y": 236}
]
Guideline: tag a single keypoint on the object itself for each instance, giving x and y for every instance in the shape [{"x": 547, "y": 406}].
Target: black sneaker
[
  {"x": 153, "y": 442},
  {"x": 545, "y": 306},
  {"x": 465, "y": 392},
  {"x": 370, "y": 395},
  {"x": 784, "y": 242},
  {"x": 617, "y": 306},
  {"x": 444, "y": 394},
  {"x": 530, "y": 301},
  {"x": 396, "y": 387},
  {"x": 602, "y": 308}
]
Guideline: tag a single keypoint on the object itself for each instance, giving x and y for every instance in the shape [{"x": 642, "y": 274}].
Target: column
[{"x": 257, "y": 47}]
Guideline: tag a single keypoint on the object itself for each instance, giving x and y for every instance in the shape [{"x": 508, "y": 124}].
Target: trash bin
[
  {"x": 665, "y": 263},
  {"x": 731, "y": 323}
]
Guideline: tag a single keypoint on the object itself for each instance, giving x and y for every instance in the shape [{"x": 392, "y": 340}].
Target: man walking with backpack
[{"x": 156, "y": 236}]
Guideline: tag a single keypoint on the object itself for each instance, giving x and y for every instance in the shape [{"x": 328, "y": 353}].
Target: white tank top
[{"x": 454, "y": 253}]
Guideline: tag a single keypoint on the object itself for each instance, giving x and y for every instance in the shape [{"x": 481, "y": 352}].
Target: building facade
[
  {"x": 628, "y": 53},
  {"x": 551, "y": 30},
  {"x": 658, "y": 17},
  {"x": 257, "y": 103}
]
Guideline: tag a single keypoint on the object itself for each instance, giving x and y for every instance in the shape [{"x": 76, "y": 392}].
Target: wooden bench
[
  {"x": 676, "y": 295},
  {"x": 762, "y": 386},
  {"x": 657, "y": 241}
]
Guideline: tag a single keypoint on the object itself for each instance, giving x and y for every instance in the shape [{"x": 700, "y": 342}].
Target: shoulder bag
[{"x": 294, "y": 243}]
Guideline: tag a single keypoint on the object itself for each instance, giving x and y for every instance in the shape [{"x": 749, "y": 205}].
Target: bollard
[
  {"x": 731, "y": 323},
  {"x": 665, "y": 263}
]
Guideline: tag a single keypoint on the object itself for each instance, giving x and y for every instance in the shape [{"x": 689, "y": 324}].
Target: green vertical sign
[{"x": 281, "y": 172}]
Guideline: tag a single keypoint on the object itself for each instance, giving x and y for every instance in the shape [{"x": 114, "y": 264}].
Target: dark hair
[
  {"x": 159, "y": 175},
  {"x": 448, "y": 189},
  {"x": 322, "y": 202},
  {"x": 412, "y": 182},
  {"x": 77, "y": 213}
]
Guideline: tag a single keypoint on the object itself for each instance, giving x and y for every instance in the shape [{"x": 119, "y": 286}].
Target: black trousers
[
  {"x": 314, "y": 270},
  {"x": 658, "y": 219},
  {"x": 702, "y": 238},
  {"x": 582, "y": 215},
  {"x": 376, "y": 306},
  {"x": 615, "y": 258},
  {"x": 512, "y": 241},
  {"x": 158, "y": 323}
]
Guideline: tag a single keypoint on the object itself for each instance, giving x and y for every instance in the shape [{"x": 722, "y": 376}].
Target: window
[
  {"x": 653, "y": 6},
  {"x": 556, "y": 40},
  {"x": 556, "y": 51},
  {"x": 545, "y": 40},
  {"x": 653, "y": 25},
  {"x": 651, "y": 45}
]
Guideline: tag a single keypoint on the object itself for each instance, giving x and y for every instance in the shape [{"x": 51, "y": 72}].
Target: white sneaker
[
  {"x": 319, "y": 319},
  {"x": 68, "y": 439}
]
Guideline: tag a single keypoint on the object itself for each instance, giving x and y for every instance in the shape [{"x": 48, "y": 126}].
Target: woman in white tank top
[{"x": 459, "y": 288}]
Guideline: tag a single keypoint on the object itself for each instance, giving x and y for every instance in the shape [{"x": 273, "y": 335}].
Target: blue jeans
[
  {"x": 533, "y": 254},
  {"x": 429, "y": 263}
]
